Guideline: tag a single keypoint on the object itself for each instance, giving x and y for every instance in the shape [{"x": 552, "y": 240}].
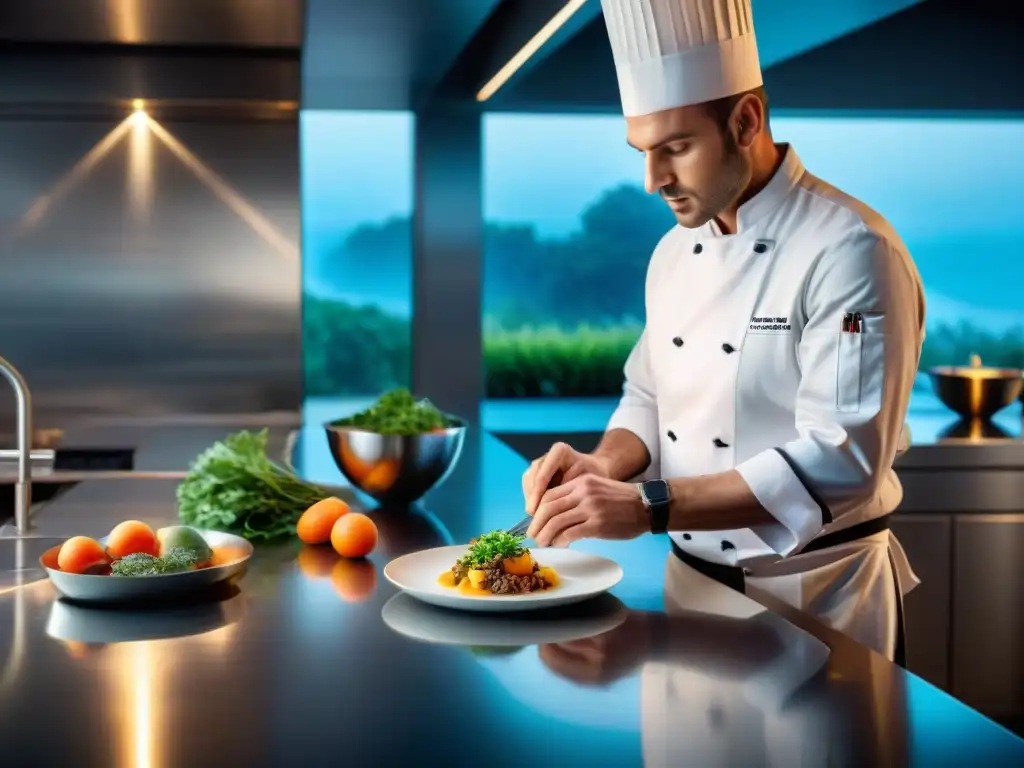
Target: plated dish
[
  {"x": 134, "y": 562},
  {"x": 498, "y": 563},
  {"x": 533, "y": 579}
]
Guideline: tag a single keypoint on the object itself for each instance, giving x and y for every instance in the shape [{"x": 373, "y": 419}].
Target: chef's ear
[{"x": 749, "y": 113}]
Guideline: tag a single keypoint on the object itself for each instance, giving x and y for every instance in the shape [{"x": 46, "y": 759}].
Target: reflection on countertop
[
  {"x": 731, "y": 687},
  {"x": 315, "y": 656},
  {"x": 85, "y": 625},
  {"x": 303, "y": 661},
  {"x": 975, "y": 431}
]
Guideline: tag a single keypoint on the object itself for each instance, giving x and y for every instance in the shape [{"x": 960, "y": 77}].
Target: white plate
[
  {"x": 582, "y": 576},
  {"x": 430, "y": 624},
  {"x": 117, "y": 589}
]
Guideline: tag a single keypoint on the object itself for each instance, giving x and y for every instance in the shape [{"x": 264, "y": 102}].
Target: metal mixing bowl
[
  {"x": 975, "y": 392},
  {"x": 392, "y": 468}
]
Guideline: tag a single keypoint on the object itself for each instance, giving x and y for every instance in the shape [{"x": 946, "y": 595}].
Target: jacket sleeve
[
  {"x": 638, "y": 407},
  {"x": 853, "y": 394}
]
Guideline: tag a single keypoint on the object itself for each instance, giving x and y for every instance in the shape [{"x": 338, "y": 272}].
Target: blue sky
[
  {"x": 356, "y": 167},
  {"x": 952, "y": 187},
  {"x": 929, "y": 177}
]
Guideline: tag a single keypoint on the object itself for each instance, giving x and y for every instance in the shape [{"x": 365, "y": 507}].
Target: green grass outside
[{"x": 364, "y": 351}]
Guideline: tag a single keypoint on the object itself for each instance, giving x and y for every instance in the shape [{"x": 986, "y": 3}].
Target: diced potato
[
  {"x": 518, "y": 566},
  {"x": 477, "y": 578},
  {"x": 549, "y": 576}
]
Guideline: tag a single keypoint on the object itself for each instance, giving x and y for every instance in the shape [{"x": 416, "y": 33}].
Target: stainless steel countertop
[
  {"x": 62, "y": 476},
  {"x": 297, "y": 667}
]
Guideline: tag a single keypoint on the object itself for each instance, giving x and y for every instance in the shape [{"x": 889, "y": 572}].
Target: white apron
[{"x": 745, "y": 363}]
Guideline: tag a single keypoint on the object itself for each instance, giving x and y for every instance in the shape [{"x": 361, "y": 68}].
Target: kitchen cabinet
[
  {"x": 928, "y": 542},
  {"x": 988, "y": 615},
  {"x": 532, "y": 445}
]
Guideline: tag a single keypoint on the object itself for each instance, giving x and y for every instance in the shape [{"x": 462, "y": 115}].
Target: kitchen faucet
[{"x": 23, "y": 487}]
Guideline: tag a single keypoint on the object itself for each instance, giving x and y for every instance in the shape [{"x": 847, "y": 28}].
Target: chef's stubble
[{"x": 731, "y": 179}]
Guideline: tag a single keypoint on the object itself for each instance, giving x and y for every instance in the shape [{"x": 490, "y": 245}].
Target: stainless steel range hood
[
  {"x": 73, "y": 52},
  {"x": 220, "y": 23}
]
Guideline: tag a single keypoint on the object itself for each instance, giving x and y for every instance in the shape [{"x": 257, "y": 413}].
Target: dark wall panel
[{"x": 942, "y": 55}]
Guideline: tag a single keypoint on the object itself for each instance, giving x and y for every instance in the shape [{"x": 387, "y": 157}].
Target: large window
[
  {"x": 357, "y": 252},
  {"x": 570, "y": 231}
]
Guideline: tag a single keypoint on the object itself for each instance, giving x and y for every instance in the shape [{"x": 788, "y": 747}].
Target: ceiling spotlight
[{"x": 533, "y": 45}]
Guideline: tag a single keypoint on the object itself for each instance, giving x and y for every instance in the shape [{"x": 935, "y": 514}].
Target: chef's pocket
[
  {"x": 860, "y": 358},
  {"x": 848, "y": 363}
]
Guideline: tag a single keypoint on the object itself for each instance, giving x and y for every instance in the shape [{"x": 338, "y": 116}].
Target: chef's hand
[
  {"x": 604, "y": 658},
  {"x": 559, "y": 465},
  {"x": 589, "y": 507}
]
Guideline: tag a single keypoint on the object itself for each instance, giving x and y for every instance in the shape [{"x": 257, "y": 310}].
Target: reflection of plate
[
  {"x": 87, "y": 624},
  {"x": 581, "y": 574},
  {"x": 116, "y": 589},
  {"x": 431, "y": 624}
]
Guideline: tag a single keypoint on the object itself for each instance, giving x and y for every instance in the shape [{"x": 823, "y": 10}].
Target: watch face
[{"x": 656, "y": 491}]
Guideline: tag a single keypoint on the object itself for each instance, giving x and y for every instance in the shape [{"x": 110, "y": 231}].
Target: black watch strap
[{"x": 656, "y": 496}]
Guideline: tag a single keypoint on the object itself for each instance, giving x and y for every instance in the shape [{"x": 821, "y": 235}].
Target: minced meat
[{"x": 501, "y": 583}]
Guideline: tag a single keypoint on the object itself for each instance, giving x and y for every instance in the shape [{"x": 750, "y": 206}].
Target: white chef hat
[{"x": 674, "y": 53}]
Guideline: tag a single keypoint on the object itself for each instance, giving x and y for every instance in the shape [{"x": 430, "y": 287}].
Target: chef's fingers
[
  {"x": 552, "y": 518},
  {"x": 547, "y": 511},
  {"x": 557, "y": 492},
  {"x": 558, "y": 458},
  {"x": 583, "y": 529},
  {"x": 576, "y": 469},
  {"x": 528, "y": 476}
]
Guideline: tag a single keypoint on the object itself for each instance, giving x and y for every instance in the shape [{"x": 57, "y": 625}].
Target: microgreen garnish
[{"x": 491, "y": 545}]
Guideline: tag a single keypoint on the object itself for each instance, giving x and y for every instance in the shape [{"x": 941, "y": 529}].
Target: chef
[{"x": 764, "y": 402}]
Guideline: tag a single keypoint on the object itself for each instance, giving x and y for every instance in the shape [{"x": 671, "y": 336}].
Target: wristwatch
[{"x": 656, "y": 496}]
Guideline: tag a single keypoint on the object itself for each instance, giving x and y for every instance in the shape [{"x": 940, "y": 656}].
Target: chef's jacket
[{"x": 744, "y": 364}]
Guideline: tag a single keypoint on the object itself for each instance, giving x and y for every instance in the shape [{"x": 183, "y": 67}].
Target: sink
[
  {"x": 47, "y": 468},
  {"x": 94, "y": 460}
]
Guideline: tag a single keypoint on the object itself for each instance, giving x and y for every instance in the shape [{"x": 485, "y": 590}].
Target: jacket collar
[{"x": 769, "y": 198}]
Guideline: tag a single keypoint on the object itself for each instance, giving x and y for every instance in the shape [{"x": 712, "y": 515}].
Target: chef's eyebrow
[{"x": 667, "y": 140}]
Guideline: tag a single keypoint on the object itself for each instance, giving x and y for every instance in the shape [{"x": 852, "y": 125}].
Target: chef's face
[{"x": 699, "y": 167}]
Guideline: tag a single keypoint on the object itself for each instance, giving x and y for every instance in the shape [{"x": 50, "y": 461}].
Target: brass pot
[{"x": 975, "y": 391}]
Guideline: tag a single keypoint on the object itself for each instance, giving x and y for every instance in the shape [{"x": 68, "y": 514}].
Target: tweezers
[{"x": 520, "y": 528}]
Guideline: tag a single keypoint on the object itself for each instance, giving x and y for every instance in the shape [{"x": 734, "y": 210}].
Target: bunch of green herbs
[
  {"x": 397, "y": 412},
  {"x": 176, "y": 560},
  {"x": 233, "y": 486},
  {"x": 493, "y": 545}
]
